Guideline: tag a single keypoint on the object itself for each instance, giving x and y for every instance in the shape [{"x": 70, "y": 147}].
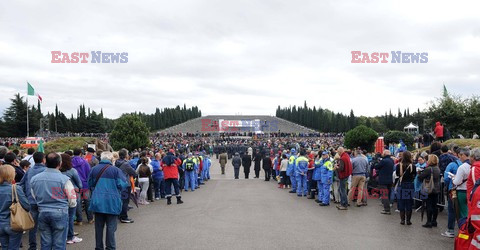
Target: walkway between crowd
[{"x": 255, "y": 214}]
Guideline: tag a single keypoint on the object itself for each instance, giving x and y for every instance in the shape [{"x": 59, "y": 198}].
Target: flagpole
[{"x": 28, "y": 128}]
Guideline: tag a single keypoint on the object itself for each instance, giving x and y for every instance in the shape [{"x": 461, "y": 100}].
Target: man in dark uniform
[
  {"x": 267, "y": 166},
  {"x": 236, "y": 162},
  {"x": 257, "y": 158},
  {"x": 246, "y": 163}
]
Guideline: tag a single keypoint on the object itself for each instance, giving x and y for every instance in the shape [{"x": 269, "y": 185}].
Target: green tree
[
  {"x": 362, "y": 137},
  {"x": 15, "y": 117},
  {"x": 450, "y": 111},
  {"x": 130, "y": 132}
]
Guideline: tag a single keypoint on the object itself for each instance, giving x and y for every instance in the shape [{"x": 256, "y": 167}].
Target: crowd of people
[
  {"x": 63, "y": 189},
  {"x": 58, "y": 189},
  {"x": 422, "y": 179}
]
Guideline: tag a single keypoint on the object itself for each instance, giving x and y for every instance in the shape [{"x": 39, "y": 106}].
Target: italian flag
[{"x": 31, "y": 91}]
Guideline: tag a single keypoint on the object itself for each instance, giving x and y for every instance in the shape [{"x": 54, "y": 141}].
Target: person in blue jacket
[
  {"x": 8, "y": 238},
  {"x": 39, "y": 167},
  {"x": 158, "y": 180},
  {"x": 291, "y": 170},
  {"x": 301, "y": 168},
  {"x": 326, "y": 178},
  {"x": 207, "y": 164},
  {"x": 189, "y": 165},
  {"x": 317, "y": 176},
  {"x": 450, "y": 171},
  {"x": 134, "y": 161},
  {"x": 106, "y": 183}
]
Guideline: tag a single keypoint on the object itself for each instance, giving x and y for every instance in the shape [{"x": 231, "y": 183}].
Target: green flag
[
  {"x": 31, "y": 90},
  {"x": 40, "y": 147}
]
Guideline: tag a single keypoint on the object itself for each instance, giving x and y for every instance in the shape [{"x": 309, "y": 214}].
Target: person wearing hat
[
  {"x": 91, "y": 158},
  {"x": 236, "y": 162},
  {"x": 326, "y": 176}
]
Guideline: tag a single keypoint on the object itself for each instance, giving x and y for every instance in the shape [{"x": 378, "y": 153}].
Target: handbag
[
  {"x": 427, "y": 187},
  {"x": 20, "y": 219}
]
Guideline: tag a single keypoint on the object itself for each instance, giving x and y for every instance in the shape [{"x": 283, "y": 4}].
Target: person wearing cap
[
  {"x": 326, "y": 175},
  {"x": 236, "y": 162},
  {"x": 291, "y": 170},
  {"x": 91, "y": 158}
]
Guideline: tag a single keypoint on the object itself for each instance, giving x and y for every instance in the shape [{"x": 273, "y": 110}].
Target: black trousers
[
  {"x": 268, "y": 173},
  {"x": 150, "y": 190},
  {"x": 236, "y": 172},
  {"x": 257, "y": 172},
  {"x": 125, "y": 201},
  {"x": 246, "y": 170},
  {"x": 432, "y": 209}
]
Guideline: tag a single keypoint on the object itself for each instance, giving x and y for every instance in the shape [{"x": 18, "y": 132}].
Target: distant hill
[{"x": 211, "y": 124}]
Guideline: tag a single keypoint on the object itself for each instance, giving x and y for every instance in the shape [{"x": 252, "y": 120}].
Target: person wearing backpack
[
  {"x": 189, "y": 166},
  {"x": 431, "y": 173},
  {"x": 8, "y": 238}
]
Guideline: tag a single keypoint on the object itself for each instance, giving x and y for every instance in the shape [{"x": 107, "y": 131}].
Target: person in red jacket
[
  {"x": 344, "y": 170},
  {"x": 474, "y": 198},
  {"x": 170, "y": 165},
  {"x": 438, "y": 131}
]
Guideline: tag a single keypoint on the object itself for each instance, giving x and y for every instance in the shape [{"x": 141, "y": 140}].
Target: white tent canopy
[{"x": 411, "y": 128}]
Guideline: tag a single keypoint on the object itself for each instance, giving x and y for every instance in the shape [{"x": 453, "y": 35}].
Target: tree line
[
  {"x": 13, "y": 123},
  {"x": 459, "y": 115}
]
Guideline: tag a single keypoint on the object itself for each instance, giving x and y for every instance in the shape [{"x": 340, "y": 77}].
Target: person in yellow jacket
[
  {"x": 301, "y": 168},
  {"x": 326, "y": 179}
]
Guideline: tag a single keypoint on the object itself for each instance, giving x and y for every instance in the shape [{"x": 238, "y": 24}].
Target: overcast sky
[{"x": 232, "y": 57}]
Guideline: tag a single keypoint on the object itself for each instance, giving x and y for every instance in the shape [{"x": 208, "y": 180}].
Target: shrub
[
  {"x": 130, "y": 132},
  {"x": 361, "y": 136}
]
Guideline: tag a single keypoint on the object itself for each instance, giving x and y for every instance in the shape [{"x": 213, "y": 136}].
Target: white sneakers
[
  {"x": 448, "y": 234},
  {"x": 75, "y": 239}
]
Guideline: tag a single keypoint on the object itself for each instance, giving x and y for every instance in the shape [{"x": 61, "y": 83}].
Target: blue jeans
[
  {"x": 293, "y": 180},
  {"x": 159, "y": 187},
  {"x": 342, "y": 190},
  {"x": 53, "y": 226},
  {"x": 189, "y": 180},
  {"x": 125, "y": 201},
  {"x": 8, "y": 238},
  {"x": 110, "y": 221},
  {"x": 302, "y": 185},
  {"x": 32, "y": 234},
  {"x": 451, "y": 215},
  {"x": 71, "y": 214}
]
